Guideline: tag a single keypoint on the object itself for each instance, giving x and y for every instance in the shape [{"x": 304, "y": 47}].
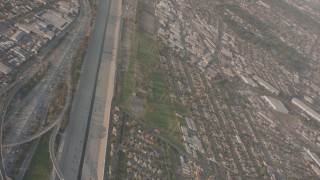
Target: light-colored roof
[
  {"x": 17, "y": 35},
  {"x": 276, "y": 104},
  {"x": 55, "y": 19},
  {"x": 248, "y": 80},
  {"x": 306, "y": 109},
  {"x": 5, "y": 69},
  {"x": 191, "y": 124},
  {"x": 266, "y": 85}
]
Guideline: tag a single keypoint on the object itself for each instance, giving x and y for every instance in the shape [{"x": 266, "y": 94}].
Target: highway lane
[
  {"x": 56, "y": 57},
  {"x": 40, "y": 99},
  {"x": 47, "y": 85},
  {"x": 3, "y": 109},
  {"x": 28, "y": 68},
  {"x": 80, "y": 113},
  {"x": 26, "y": 162},
  {"x": 93, "y": 163},
  {"x": 2, "y": 169},
  {"x": 52, "y": 77},
  {"x": 52, "y": 153},
  {"x": 66, "y": 106}
]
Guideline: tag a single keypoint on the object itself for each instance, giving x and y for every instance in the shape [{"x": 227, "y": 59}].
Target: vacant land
[
  {"x": 144, "y": 88},
  {"x": 145, "y": 75}
]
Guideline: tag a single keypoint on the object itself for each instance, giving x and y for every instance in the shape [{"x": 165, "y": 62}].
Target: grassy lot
[
  {"x": 127, "y": 86},
  {"x": 159, "y": 111},
  {"x": 143, "y": 52},
  {"x": 40, "y": 166},
  {"x": 181, "y": 109},
  {"x": 122, "y": 171}
]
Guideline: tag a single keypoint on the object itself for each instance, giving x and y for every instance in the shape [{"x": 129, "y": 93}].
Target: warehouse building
[
  {"x": 248, "y": 80},
  {"x": 266, "y": 85},
  {"x": 5, "y": 69},
  {"x": 306, "y": 109},
  {"x": 35, "y": 29},
  {"x": 17, "y": 35},
  {"x": 55, "y": 19},
  {"x": 276, "y": 104}
]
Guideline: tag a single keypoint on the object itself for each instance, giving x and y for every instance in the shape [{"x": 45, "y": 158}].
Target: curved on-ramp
[{"x": 52, "y": 154}]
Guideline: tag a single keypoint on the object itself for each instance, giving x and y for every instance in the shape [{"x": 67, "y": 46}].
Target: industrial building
[
  {"x": 276, "y": 104},
  {"x": 55, "y": 19},
  {"x": 64, "y": 6},
  {"x": 5, "y": 69},
  {"x": 17, "y": 35},
  {"x": 306, "y": 109},
  {"x": 313, "y": 156},
  {"x": 266, "y": 85},
  {"x": 191, "y": 124},
  {"x": 184, "y": 131},
  {"x": 35, "y": 29},
  {"x": 248, "y": 80}
]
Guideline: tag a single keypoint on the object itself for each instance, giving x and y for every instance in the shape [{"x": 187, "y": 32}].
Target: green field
[
  {"x": 159, "y": 111},
  {"x": 127, "y": 86},
  {"x": 122, "y": 171},
  {"x": 40, "y": 166}
]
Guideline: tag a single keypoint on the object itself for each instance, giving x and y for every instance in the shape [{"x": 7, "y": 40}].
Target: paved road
[
  {"x": 53, "y": 158},
  {"x": 96, "y": 142},
  {"x": 82, "y": 107},
  {"x": 43, "y": 92},
  {"x": 52, "y": 77},
  {"x": 25, "y": 165},
  {"x": 52, "y": 152},
  {"x": 28, "y": 69},
  {"x": 3, "y": 109}
]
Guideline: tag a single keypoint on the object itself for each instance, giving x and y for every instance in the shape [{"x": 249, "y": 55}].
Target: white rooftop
[
  {"x": 276, "y": 104},
  {"x": 5, "y": 69},
  {"x": 306, "y": 109}
]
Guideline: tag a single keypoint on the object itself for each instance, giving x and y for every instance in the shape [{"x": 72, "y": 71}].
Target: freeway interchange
[
  {"x": 25, "y": 113},
  {"x": 82, "y": 151}
]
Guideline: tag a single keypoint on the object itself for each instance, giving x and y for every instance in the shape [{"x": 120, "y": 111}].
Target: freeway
[
  {"x": 66, "y": 106},
  {"x": 3, "y": 109},
  {"x": 27, "y": 69},
  {"x": 76, "y": 132},
  {"x": 34, "y": 136},
  {"x": 52, "y": 153},
  {"x": 47, "y": 85},
  {"x": 43, "y": 92}
]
